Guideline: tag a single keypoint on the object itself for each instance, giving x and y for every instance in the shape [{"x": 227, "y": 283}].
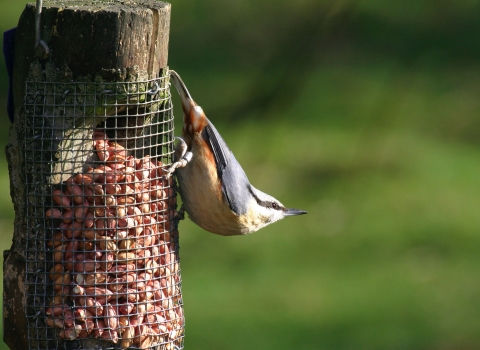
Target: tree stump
[{"x": 97, "y": 42}]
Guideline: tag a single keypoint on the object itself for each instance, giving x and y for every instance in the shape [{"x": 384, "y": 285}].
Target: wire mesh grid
[{"x": 102, "y": 244}]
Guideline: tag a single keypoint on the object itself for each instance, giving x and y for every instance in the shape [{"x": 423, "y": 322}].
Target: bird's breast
[{"x": 202, "y": 195}]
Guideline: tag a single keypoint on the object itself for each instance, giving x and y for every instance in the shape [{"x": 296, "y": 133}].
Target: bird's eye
[{"x": 274, "y": 205}]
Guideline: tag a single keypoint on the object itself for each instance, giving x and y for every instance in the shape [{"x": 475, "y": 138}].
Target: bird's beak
[
  {"x": 187, "y": 100},
  {"x": 293, "y": 212}
]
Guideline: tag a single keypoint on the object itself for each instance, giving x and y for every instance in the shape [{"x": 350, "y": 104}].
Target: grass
[
  {"x": 386, "y": 258},
  {"x": 382, "y": 261},
  {"x": 385, "y": 157}
]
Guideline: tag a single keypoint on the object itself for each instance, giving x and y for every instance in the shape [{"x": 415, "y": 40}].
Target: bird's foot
[
  {"x": 180, "y": 215},
  {"x": 184, "y": 158},
  {"x": 179, "y": 164}
]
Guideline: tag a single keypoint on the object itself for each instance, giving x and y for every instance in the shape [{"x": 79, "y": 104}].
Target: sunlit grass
[
  {"x": 371, "y": 265},
  {"x": 386, "y": 256}
]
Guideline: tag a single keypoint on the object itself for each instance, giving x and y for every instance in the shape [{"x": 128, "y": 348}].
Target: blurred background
[{"x": 367, "y": 115}]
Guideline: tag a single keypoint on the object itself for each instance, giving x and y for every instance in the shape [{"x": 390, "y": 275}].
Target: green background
[{"x": 366, "y": 114}]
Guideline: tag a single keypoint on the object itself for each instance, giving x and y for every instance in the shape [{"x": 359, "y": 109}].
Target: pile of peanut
[{"x": 116, "y": 273}]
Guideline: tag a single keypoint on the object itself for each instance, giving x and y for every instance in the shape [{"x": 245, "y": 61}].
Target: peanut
[
  {"x": 69, "y": 264},
  {"x": 68, "y": 216},
  {"x": 126, "y": 244},
  {"x": 131, "y": 295},
  {"x": 112, "y": 189},
  {"x": 116, "y": 284},
  {"x": 125, "y": 200},
  {"x": 110, "y": 316},
  {"x": 71, "y": 248},
  {"x": 92, "y": 234},
  {"x": 56, "y": 310},
  {"x": 113, "y": 252},
  {"x": 107, "y": 244},
  {"x": 111, "y": 335},
  {"x": 54, "y": 322},
  {"x": 121, "y": 234},
  {"x": 80, "y": 314},
  {"x": 126, "y": 308},
  {"x": 93, "y": 279},
  {"x": 125, "y": 256},
  {"x": 102, "y": 150},
  {"x": 87, "y": 266},
  {"x": 145, "y": 342},
  {"x": 110, "y": 201},
  {"x": 107, "y": 261},
  {"x": 78, "y": 290},
  {"x": 99, "y": 328},
  {"x": 127, "y": 337},
  {"x": 73, "y": 230},
  {"x": 91, "y": 305},
  {"x": 56, "y": 240},
  {"x": 70, "y": 333},
  {"x": 61, "y": 199},
  {"x": 120, "y": 212},
  {"x": 123, "y": 321},
  {"x": 81, "y": 211},
  {"x": 83, "y": 179},
  {"x": 53, "y": 213},
  {"x": 88, "y": 220},
  {"x": 58, "y": 253},
  {"x": 55, "y": 271},
  {"x": 75, "y": 191},
  {"x": 121, "y": 268},
  {"x": 101, "y": 295}
]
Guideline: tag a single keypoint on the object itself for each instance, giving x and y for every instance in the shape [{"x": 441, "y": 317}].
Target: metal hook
[
  {"x": 41, "y": 48},
  {"x": 154, "y": 90}
]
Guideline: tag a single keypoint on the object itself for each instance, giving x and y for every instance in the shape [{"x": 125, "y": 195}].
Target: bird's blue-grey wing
[{"x": 234, "y": 180}]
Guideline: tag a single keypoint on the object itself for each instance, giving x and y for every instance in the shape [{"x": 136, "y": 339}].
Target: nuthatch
[{"x": 215, "y": 190}]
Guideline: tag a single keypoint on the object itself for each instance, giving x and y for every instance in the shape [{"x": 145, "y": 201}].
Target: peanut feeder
[{"x": 102, "y": 258}]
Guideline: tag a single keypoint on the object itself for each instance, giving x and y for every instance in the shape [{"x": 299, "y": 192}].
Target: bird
[{"x": 214, "y": 188}]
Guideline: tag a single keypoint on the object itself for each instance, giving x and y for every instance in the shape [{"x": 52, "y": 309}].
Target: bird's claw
[
  {"x": 180, "y": 215},
  {"x": 184, "y": 158},
  {"x": 179, "y": 164}
]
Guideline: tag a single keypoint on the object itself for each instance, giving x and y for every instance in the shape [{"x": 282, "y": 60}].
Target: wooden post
[{"x": 110, "y": 42}]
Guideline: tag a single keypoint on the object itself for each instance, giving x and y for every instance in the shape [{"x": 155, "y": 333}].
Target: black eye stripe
[{"x": 267, "y": 204}]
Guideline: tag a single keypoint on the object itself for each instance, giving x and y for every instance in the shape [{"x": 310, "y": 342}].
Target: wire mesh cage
[{"x": 102, "y": 242}]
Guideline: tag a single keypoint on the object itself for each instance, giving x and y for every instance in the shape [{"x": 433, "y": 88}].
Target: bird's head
[{"x": 265, "y": 209}]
